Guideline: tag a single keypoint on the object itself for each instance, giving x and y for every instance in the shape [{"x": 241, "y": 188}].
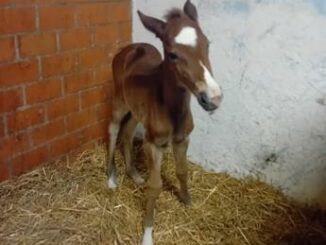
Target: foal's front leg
[
  {"x": 154, "y": 183},
  {"x": 180, "y": 154}
]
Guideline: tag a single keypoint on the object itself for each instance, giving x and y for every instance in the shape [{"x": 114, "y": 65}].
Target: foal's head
[{"x": 186, "y": 53}]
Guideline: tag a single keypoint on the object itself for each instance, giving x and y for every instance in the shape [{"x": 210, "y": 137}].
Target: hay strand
[{"x": 69, "y": 203}]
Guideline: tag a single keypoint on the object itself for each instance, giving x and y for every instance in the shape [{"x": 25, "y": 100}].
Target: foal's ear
[
  {"x": 190, "y": 10},
  {"x": 152, "y": 24}
]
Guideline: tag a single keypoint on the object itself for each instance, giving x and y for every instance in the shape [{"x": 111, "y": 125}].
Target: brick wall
[{"x": 55, "y": 76}]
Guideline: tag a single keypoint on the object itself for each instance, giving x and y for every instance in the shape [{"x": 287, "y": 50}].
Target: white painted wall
[{"x": 270, "y": 58}]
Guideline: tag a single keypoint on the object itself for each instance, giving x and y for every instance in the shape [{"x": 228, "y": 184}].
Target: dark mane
[{"x": 173, "y": 13}]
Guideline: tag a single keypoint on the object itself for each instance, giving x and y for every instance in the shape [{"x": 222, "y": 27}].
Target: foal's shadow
[
  {"x": 168, "y": 186},
  {"x": 140, "y": 160},
  {"x": 313, "y": 232}
]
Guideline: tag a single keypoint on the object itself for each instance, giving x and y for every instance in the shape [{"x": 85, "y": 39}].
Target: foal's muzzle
[{"x": 209, "y": 104}]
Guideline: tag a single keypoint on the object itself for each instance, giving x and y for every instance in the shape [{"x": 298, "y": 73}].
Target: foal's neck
[{"x": 176, "y": 98}]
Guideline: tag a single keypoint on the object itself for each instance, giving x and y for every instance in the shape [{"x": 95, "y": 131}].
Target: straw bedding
[{"x": 69, "y": 203}]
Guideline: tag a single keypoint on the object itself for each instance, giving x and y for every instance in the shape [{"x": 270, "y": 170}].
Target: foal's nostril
[
  {"x": 209, "y": 104},
  {"x": 203, "y": 98}
]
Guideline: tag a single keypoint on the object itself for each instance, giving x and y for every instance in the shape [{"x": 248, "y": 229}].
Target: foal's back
[
  {"x": 137, "y": 74},
  {"x": 139, "y": 62}
]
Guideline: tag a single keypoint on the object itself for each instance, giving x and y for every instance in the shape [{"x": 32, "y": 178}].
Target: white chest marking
[{"x": 187, "y": 36}]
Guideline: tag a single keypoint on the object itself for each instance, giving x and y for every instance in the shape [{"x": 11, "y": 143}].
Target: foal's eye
[{"x": 173, "y": 57}]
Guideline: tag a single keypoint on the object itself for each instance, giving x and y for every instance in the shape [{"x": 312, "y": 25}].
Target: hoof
[
  {"x": 112, "y": 183},
  {"x": 185, "y": 198},
  {"x": 135, "y": 176},
  {"x": 147, "y": 237}
]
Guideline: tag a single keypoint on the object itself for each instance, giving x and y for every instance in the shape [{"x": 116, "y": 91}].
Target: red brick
[
  {"x": 125, "y": 31},
  {"x": 18, "y": 1},
  {"x": 94, "y": 96},
  {"x": 10, "y": 100},
  {"x": 37, "y": 44},
  {"x": 43, "y": 90},
  {"x": 6, "y": 150},
  {"x": 14, "y": 144},
  {"x": 7, "y": 49},
  {"x": 107, "y": 34},
  {"x": 55, "y": 1},
  {"x": 29, "y": 160},
  {"x": 57, "y": 17},
  {"x": 95, "y": 131},
  {"x": 25, "y": 118},
  {"x": 119, "y": 11},
  {"x": 90, "y": 14},
  {"x": 48, "y": 132},
  {"x": 65, "y": 144},
  {"x": 17, "y": 20},
  {"x": 58, "y": 64},
  {"x": 103, "y": 73},
  {"x": 103, "y": 111},
  {"x": 75, "y": 39},
  {"x": 103, "y": 13},
  {"x": 79, "y": 81},
  {"x": 22, "y": 142},
  {"x": 63, "y": 106},
  {"x": 5, "y": 1},
  {"x": 2, "y": 127},
  {"x": 4, "y": 171},
  {"x": 114, "y": 49},
  {"x": 81, "y": 119},
  {"x": 87, "y": 146},
  {"x": 93, "y": 57},
  {"x": 42, "y": 2},
  {"x": 15, "y": 73}
]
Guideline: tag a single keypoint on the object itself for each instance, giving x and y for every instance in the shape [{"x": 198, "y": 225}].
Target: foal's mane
[{"x": 173, "y": 13}]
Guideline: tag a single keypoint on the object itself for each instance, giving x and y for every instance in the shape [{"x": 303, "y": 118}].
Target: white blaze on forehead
[
  {"x": 213, "y": 89},
  {"x": 187, "y": 36}
]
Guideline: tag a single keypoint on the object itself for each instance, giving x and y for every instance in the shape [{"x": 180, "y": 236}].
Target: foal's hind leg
[
  {"x": 113, "y": 131},
  {"x": 180, "y": 154},
  {"x": 127, "y": 139}
]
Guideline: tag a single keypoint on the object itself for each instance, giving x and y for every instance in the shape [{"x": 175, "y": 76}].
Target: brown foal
[{"x": 156, "y": 93}]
